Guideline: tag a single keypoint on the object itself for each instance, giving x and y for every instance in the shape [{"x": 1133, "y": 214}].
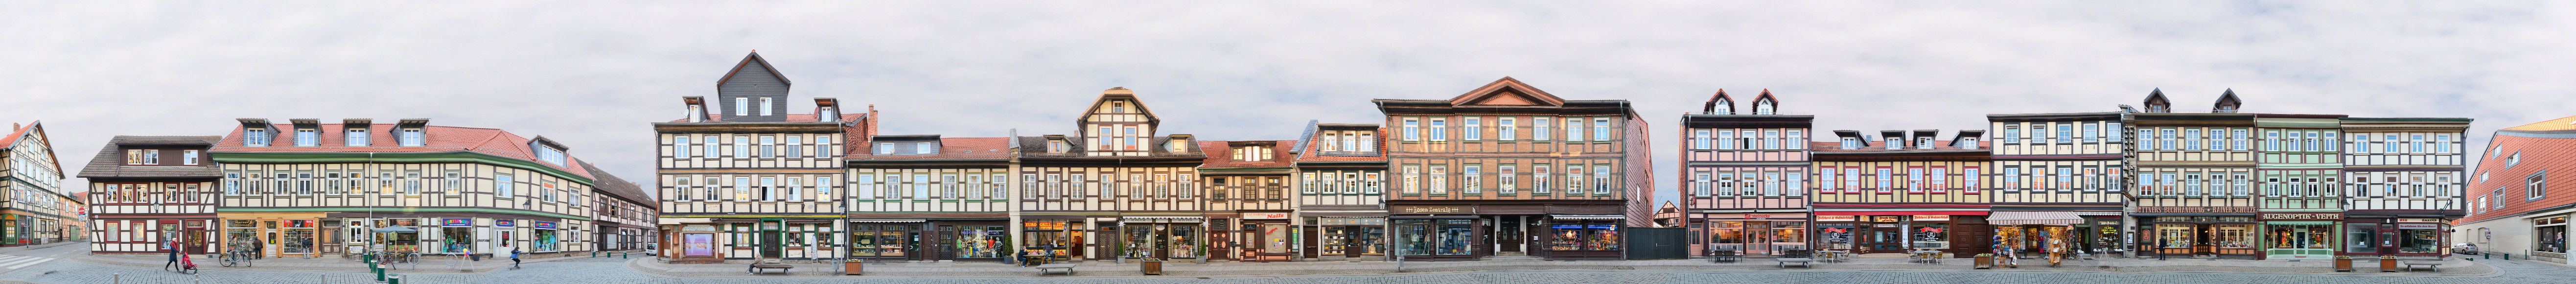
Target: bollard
[
  {"x": 380, "y": 272},
  {"x": 118, "y": 278},
  {"x": 396, "y": 279}
]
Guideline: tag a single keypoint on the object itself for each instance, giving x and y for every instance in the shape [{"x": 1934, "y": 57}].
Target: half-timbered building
[
  {"x": 1250, "y": 207},
  {"x": 2192, "y": 179},
  {"x": 2299, "y": 197},
  {"x": 147, "y": 190},
  {"x": 37, "y": 211},
  {"x": 1113, "y": 189},
  {"x": 742, "y": 176},
  {"x": 926, "y": 197},
  {"x": 1744, "y": 171},
  {"x": 1342, "y": 197},
  {"x": 1461, "y": 164},
  {"x": 2404, "y": 178},
  {"x": 2059, "y": 181},
  {"x": 622, "y": 217},
  {"x": 1903, "y": 191},
  {"x": 308, "y": 188}
]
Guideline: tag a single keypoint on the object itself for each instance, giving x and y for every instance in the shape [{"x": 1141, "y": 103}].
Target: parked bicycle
[{"x": 240, "y": 257}]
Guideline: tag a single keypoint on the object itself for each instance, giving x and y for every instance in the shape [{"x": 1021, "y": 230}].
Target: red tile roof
[
  {"x": 950, "y": 148},
  {"x": 1222, "y": 156},
  {"x": 380, "y": 140},
  {"x": 18, "y": 131},
  {"x": 2548, "y": 158},
  {"x": 2563, "y": 123}
]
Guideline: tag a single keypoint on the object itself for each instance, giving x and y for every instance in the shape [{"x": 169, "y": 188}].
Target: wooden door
[
  {"x": 1510, "y": 238},
  {"x": 1886, "y": 240},
  {"x": 1971, "y": 239}
]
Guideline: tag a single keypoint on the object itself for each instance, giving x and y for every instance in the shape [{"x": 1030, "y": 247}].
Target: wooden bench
[
  {"x": 1048, "y": 268},
  {"x": 2435, "y": 265},
  {"x": 757, "y": 268},
  {"x": 1802, "y": 262}
]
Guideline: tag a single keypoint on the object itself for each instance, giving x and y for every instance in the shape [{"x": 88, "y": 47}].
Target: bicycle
[{"x": 237, "y": 257}]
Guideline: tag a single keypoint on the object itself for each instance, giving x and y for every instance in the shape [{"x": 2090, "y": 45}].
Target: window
[
  {"x": 1538, "y": 128},
  {"x": 2515, "y": 159},
  {"x": 711, "y": 147},
  {"x": 741, "y": 106},
  {"x": 1828, "y": 177},
  {"x": 1412, "y": 179},
  {"x": 1700, "y": 139},
  {"x": 1573, "y": 179},
  {"x": 2012, "y": 178},
  {"x": 501, "y": 186},
  {"x": 2168, "y": 139},
  {"x": 1439, "y": 180},
  {"x": 411, "y": 137},
  {"x": 2327, "y": 141},
  {"x": 1475, "y": 180},
  {"x": 2241, "y": 138},
  {"x": 1850, "y": 143},
  {"x": 1770, "y": 139},
  {"x": 1968, "y": 178},
  {"x": 1796, "y": 186},
  {"x": 1940, "y": 180},
  {"x": 1510, "y": 180},
  {"x": 188, "y": 157},
  {"x": 2191, "y": 139},
  {"x": 1726, "y": 140},
  {"x": 2065, "y": 133},
  {"x": 680, "y": 189},
  {"x": 2415, "y": 144},
  {"x": 1439, "y": 129},
  {"x": 681, "y": 148},
  {"x": 765, "y": 104},
  {"x": 1373, "y": 185},
  {"x": 1601, "y": 180},
  {"x": 1601, "y": 129},
  {"x": 452, "y": 182},
  {"x": 1412, "y": 130},
  {"x": 1883, "y": 179},
  {"x": 2535, "y": 187},
  {"x": 307, "y": 137},
  {"x": 355, "y": 137},
  {"x": 2012, "y": 133},
  {"x": 796, "y": 147},
  {"x": 1505, "y": 129},
  {"x": 1762, "y": 108},
  {"x": 1475, "y": 129},
  {"x": 1699, "y": 184},
  {"x": 1796, "y": 141},
  {"x": 550, "y": 155},
  {"x": 255, "y": 137},
  {"x": 1538, "y": 180},
  {"x": 2092, "y": 132}
]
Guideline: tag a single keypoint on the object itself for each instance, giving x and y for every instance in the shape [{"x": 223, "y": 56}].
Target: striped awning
[{"x": 2034, "y": 218}]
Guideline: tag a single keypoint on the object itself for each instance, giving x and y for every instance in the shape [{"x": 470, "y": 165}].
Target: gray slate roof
[
  {"x": 110, "y": 162},
  {"x": 620, "y": 187}
]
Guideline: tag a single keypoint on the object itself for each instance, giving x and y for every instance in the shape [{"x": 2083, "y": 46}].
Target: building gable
[{"x": 1507, "y": 92}]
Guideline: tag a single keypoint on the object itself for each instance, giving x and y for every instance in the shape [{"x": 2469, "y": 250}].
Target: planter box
[
  {"x": 2388, "y": 265},
  {"x": 1155, "y": 267},
  {"x": 1985, "y": 262},
  {"x": 852, "y": 268},
  {"x": 2343, "y": 265}
]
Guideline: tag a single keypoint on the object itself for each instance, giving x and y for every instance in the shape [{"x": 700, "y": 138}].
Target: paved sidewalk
[
  {"x": 1222, "y": 269},
  {"x": 431, "y": 263},
  {"x": 25, "y": 248}
]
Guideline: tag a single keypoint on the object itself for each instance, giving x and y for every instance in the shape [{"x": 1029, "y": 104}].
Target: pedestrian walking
[{"x": 171, "y": 245}]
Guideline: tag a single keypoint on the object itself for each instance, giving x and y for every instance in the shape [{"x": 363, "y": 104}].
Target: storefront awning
[
  {"x": 2035, "y": 218},
  {"x": 1151, "y": 219},
  {"x": 1587, "y": 217},
  {"x": 888, "y": 220},
  {"x": 1882, "y": 213}
]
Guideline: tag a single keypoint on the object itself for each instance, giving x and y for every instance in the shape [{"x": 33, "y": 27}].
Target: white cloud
[{"x": 593, "y": 74}]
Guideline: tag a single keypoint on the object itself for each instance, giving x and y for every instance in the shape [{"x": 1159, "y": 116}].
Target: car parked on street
[{"x": 2465, "y": 248}]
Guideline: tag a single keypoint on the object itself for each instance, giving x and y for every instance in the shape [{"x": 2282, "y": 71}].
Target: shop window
[
  {"x": 2234, "y": 236},
  {"x": 2361, "y": 238},
  {"x": 2299, "y": 236},
  {"x": 1931, "y": 235},
  {"x": 1727, "y": 236},
  {"x": 2551, "y": 238},
  {"x": 2173, "y": 236}
]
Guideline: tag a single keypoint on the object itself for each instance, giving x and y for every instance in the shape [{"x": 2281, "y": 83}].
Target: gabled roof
[
  {"x": 32, "y": 129},
  {"x": 1507, "y": 91},
  {"x": 1720, "y": 98},
  {"x": 2560, "y": 124},
  {"x": 1766, "y": 96},
  {"x": 961, "y": 148},
  {"x": 1121, "y": 93},
  {"x": 110, "y": 162},
  {"x": 754, "y": 60},
  {"x": 1312, "y": 154},
  {"x": 2227, "y": 102},
  {"x": 2156, "y": 101}
]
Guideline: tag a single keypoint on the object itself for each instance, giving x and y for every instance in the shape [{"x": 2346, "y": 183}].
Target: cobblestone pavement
[{"x": 615, "y": 271}]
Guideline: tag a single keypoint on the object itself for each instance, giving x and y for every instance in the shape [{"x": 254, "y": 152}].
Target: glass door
[
  {"x": 1886, "y": 240},
  {"x": 1758, "y": 238}
]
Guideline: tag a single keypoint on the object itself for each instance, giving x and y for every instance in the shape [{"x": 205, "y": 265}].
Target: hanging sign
[
  {"x": 543, "y": 225},
  {"x": 456, "y": 222}
]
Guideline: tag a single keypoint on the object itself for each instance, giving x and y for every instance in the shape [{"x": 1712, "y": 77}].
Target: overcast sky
[{"x": 594, "y": 75}]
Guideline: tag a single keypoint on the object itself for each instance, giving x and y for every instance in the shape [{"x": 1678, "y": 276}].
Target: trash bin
[{"x": 393, "y": 279}]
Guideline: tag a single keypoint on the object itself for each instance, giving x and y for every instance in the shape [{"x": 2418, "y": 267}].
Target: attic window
[
  {"x": 765, "y": 106},
  {"x": 255, "y": 137},
  {"x": 1252, "y": 153},
  {"x": 411, "y": 137},
  {"x": 1924, "y": 143},
  {"x": 1968, "y": 143},
  {"x": 697, "y": 114},
  {"x": 1762, "y": 108},
  {"x": 1118, "y": 106},
  {"x": 356, "y": 137},
  {"x": 1177, "y": 145},
  {"x": 1057, "y": 146},
  {"x": 1850, "y": 143},
  {"x": 1723, "y": 107},
  {"x": 828, "y": 115},
  {"x": 1894, "y": 143},
  {"x": 307, "y": 137},
  {"x": 550, "y": 155}
]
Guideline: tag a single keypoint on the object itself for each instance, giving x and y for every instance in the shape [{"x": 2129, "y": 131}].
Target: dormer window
[
  {"x": 1723, "y": 107},
  {"x": 1177, "y": 145},
  {"x": 411, "y": 137},
  {"x": 1252, "y": 153},
  {"x": 829, "y": 115},
  {"x": 1924, "y": 143},
  {"x": 355, "y": 137},
  {"x": 697, "y": 114},
  {"x": 741, "y": 106},
  {"x": 926, "y": 148},
  {"x": 1968, "y": 143},
  {"x": 1762, "y": 108},
  {"x": 142, "y": 157},
  {"x": 550, "y": 155},
  {"x": 765, "y": 106},
  {"x": 1850, "y": 143},
  {"x": 1894, "y": 143},
  {"x": 307, "y": 137},
  {"x": 1057, "y": 146},
  {"x": 255, "y": 137}
]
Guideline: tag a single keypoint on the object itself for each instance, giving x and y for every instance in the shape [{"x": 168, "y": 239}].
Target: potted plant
[
  {"x": 2343, "y": 263},
  {"x": 1985, "y": 261},
  {"x": 2387, "y": 263},
  {"x": 1149, "y": 266}
]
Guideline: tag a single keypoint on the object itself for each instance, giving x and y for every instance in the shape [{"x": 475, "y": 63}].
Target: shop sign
[
  {"x": 1931, "y": 217},
  {"x": 1884, "y": 219},
  {"x": 1266, "y": 215},
  {"x": 456, "y": 222},
  {"x": 505, "y": 223},
  {"x": 1566, "y": 227},
  {"x": 1435, "y": 209},
  {"x": 2419, "y": 220},
  {"x": 1885, "y": 226},
  {"x": 2200, "y": 209},
  {"x": 1836, "y": 218},
  {"x": 2419, "y": 226},
  {"x": 299, "y": 223},
  {"x": 1605, "y": 227},
  {"x": 2301, "y": 216},
  {"x": 2106, "y": 222},
  {"x": 543, "y": 225}
]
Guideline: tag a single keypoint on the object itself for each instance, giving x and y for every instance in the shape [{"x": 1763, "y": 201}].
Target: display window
[
  {"x": 1047, "y": 236},
  {"x": 1789, "y": 235},
  {"x": 1835, "y": 235},
  {"x": 979, "y": 241},
  {"x": 881, "y": 240},
  {"x": 456, "y": 239},
  {"x": 2177, "y": 236},
  {"x": 241, "y": 233},
  {"x": 1931, "y": 235},
  {"x": 1174, "y": 240},
  {"x": 2361, "y": 238},
  {"x": 2233, "y": 236},
  {"x": 1726, "y": 235},
  {"x": 1436, "y": 236},
  {"x": 2551, "y": 238},
  {"x": 299, "y": 236},
  {"x": 2419, "y": 240},
  {"x": 1586, "y": 235},
  {"x": 2301, "y": 236}
]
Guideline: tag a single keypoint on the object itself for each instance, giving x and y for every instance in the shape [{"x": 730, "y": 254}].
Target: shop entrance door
[
  {"x": 1758, "y": 238},
  {"x": 1886, "y": 240},
  {"x": 769, "y": 240},
  {"x": 1509, "y": 239}
]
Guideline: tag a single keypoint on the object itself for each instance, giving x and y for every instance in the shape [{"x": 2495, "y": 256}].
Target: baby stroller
[{"x": 187, "y": 265}]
